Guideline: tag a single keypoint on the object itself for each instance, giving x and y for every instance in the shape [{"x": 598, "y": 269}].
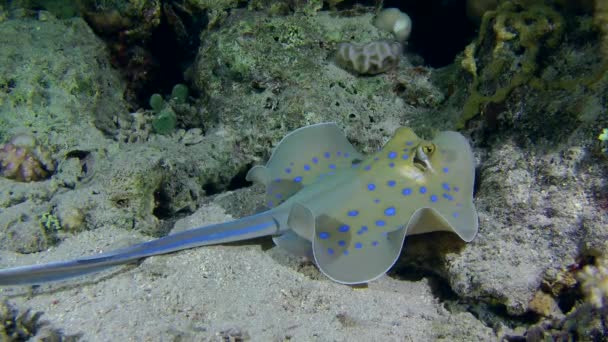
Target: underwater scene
[{"x": 304, "y": 170}]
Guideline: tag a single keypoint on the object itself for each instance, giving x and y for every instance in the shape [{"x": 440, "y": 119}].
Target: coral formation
[
  {"x": 394, "y": 21},
  {"x": 44, "y": 89},
  {"x": 24, "y": 160},
  {"x": 594, "y": 282},
  {"x": 544, "y": 305},
  {"x": 515, "y": 35},
  {"x": 586, "y": 316},
  {"x": 369, "y": 59}
]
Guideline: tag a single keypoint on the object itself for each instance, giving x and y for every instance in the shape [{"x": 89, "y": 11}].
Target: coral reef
[
  {"x": 46, "y": 89},
  {"x": 541, "y": 195},
  {"x": 369, "y": 59},
  {"x": 585, "y": 296},
  {"x": 260, "y": 71},
  {"x": 594, "y": 281},
  {"x": 504, "y": 56},
  {"x": 25, "y": 160}
]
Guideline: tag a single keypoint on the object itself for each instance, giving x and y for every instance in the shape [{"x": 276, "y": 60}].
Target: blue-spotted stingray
[{"x": 348, "y": 213}]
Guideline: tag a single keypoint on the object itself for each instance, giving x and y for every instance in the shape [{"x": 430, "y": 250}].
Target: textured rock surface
[{"x": 265, "y": 76}]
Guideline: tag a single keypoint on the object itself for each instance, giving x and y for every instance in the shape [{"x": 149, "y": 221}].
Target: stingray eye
[
  {"x": 428, "y": 149},
  {"x": 421, "y": 158}
]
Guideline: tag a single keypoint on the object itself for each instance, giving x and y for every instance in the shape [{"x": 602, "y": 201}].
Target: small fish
[{"x": 348, "y": 213}]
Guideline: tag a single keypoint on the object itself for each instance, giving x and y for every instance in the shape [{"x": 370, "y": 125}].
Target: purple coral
[{"x": 23, "y": 160}]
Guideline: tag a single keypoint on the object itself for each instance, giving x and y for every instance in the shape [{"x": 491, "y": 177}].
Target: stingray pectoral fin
[
  {"x": 301, "y": 221},
  {"x": 302, "y": 158},
  {"x": 428, "y": 220},
  {"x": 294, "y": 244},
  {"x": 258, "y": 174},
  {"x": 348, "y": 257},
  {"x": 448, "y": 201}
]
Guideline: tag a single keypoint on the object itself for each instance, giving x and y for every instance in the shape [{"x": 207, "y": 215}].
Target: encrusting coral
[
  {"x": 24, "y": 160},
  {"x": 369, "y": 59},
  {"x": 515, "y": 34},
  {"x": 381, "y": 55}
]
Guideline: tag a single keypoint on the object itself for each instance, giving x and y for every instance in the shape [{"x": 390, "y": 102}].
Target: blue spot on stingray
[
  {"x": 362, "y": 230},
  {"x": 374, "y": 243},
  {"x": 324, "y": 235},
  {"x": 456, "y": 189},
  {"x": 306, "y": 167},
  {"x": 358, "y": 245},
  {"x": 326, "y": 154},
  {"x": 380, "y": 223},
  {"x": 353, "y": 213},
  {"x": 446, "y": 170},
  {"x": 445, "y": 186},
  {"x": 332, "y": 166},
  {"x": 344, "y": 228},
  {"x": 346, "y": 155},
  {"x": 409, "y": 143},
  {"x": 342, "y": 243},
  {"x": 433, "y": 198},
  {"x": 338, "y": 153},
  {"x": 345, "y": 252},
  {"x": 315, "y": 160},
  {"x": 448, "y": 197},
  {"x": 392, "y": 155},
  {"x": 376, "y": 158},
  {"x": 330, "y": 251},
  {"x": 270, "y": 204},
  {"x": 371, "y": 186},
  {"x": 406, "y": 191},
  {"x": 391, "y": 183},
  {"x": 277, "y": 180},
  {"x": 391, "y": 164},
  {"x": 377, "y": 200},
  {"x": 298, "y": 179},
  {"x": 287, "y": 170},
  {"x": 405, "y": 157},
  {"x": 456, "y": 214},
  {"x": 367, "y": 167},
  {"x": 278, "y": 196},
  {"x": 423, "y": 189},
  {"x": 390, "y": 211}
]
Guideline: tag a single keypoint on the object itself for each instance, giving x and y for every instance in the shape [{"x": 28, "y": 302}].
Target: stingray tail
[{"x": 246, "y": 228}]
